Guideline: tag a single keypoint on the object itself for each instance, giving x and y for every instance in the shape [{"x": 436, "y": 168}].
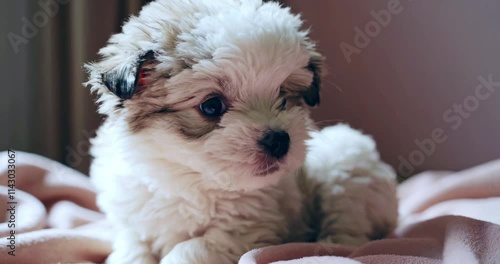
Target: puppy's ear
[
  {"x": 126, "y": 80},
  {"x": 311, "y": 95}
]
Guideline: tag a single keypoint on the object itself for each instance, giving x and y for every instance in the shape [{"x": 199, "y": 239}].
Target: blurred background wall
[{"x": 419, "y": 76}]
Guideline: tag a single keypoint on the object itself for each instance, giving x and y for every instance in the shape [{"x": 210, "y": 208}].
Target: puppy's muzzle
[{"x": 275, "y": 143}]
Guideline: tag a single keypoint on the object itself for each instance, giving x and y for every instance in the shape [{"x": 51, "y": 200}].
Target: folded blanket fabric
[{"x": 445, "y": 217}]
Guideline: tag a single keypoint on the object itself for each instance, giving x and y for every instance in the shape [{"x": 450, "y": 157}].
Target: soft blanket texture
[{"x": 445, "y": 217}]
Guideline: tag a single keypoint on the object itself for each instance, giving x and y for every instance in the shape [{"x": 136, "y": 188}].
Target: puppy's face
[{"x": 227, "y": 98}]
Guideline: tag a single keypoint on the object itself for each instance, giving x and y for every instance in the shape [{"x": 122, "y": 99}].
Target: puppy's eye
[
  {"x": 213, "y": 107},
  {"x": 283, "y": 104}
]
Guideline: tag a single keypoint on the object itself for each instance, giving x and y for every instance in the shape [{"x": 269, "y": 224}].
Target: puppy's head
[{"x": 217, "y": 87}]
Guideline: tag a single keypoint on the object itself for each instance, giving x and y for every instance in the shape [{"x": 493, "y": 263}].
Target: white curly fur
[{"x": 177, "y": 200}]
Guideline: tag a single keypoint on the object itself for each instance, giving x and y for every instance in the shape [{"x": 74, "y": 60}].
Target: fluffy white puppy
[{"x": 201, "y": 156}]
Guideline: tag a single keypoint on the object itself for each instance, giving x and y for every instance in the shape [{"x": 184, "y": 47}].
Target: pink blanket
[{"x": 445, "y": 218}]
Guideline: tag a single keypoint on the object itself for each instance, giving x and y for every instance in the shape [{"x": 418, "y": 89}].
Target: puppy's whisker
[
  {"x": 334, "y": 85},
  {"x": 328, "y": 122}
]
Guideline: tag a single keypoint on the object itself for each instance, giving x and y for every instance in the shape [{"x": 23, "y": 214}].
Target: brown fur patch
[
  {"x": 192, "y": 125},
  {"x": 151, "y": 107},
  {"x": 142, "y": 108}
]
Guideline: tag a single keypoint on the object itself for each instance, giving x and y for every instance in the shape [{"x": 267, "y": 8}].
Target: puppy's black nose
[{"x": 275, "y": 143}]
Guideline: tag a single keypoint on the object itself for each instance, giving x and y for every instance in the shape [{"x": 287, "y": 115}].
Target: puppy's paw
[
  {"x": 194, "y": 251},
  {"x": 127, "y": 248}
]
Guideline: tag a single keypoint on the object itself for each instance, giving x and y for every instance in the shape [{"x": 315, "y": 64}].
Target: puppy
[{"x": 202, "y": 155}]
